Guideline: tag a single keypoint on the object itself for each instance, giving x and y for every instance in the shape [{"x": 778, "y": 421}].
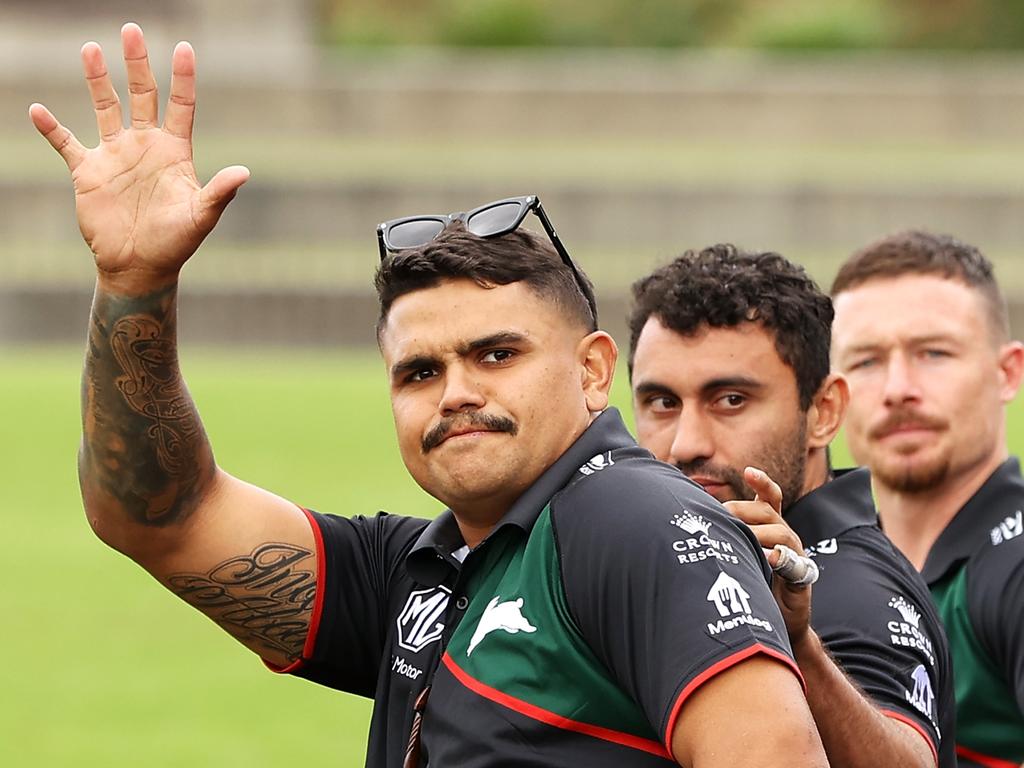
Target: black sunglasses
[{"x": 488, "y": 220}]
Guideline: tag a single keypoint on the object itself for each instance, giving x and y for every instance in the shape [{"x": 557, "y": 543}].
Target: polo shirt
[
  {"x": 873, "y": 612},
  {"x": 572, "y": 635},
  {"x": 975, "y": 571}
]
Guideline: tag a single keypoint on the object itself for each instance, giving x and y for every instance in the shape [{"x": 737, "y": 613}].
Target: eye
[
  {"x": 862, "y": 362},
  {"x": 660, "y": 403},
  {"x": 497, "y": 356},
  {"x": 933, "y": 353},
  {"x": 421, "y": 374},
  {"x": 730, "y": 401}
]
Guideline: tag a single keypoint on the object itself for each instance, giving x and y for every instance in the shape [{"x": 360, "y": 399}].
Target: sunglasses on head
[{"x": 488, "y": 220}]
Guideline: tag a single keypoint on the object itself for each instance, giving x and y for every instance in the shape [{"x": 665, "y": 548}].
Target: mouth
[
  {"x": 709, "y": 484},
  {"x": 467, "y": 433},
  {"x": 906, "y": 430}
]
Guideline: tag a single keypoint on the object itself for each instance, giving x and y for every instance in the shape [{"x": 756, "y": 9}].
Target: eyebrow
[
  {"x": 723, "y": 382},
  {"x": 465, "y": 349}
]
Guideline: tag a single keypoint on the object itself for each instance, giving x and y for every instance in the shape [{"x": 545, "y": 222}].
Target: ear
[
  {"x": 597, "y": 354},
  {"x": 1011, "y": 366},
  {"x": 825, "y": 416}
]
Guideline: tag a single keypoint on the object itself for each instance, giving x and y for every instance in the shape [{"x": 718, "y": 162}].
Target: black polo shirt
[
  {"x": 873, "y": 612},
  {"x": 975, "y": 570},
  {"x": 571, "y": 636}
]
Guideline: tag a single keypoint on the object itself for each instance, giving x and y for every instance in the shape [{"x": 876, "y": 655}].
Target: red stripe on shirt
[
  {"x": 318, "y": 602},
  {"x": 917, "y": 727},
  {"x": 991, "y": 762},
  {"x": 721, "y": 666},
  {"x": 551, "y": 718}
]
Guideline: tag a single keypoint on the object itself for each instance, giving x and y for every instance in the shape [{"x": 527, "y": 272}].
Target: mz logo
[{"x": 421, "y": 622}]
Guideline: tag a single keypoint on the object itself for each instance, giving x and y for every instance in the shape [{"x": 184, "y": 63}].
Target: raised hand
[
  {"x": 140, "y": 206},
  {"x": 764, "y": 516}
]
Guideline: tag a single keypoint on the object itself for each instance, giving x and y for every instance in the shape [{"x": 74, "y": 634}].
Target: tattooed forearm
[
  {"x": 143, "y": 444},
  {"x": 265, "y": 599}
]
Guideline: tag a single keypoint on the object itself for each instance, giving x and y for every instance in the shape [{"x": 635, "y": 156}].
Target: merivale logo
[
  {"x": 1010, "y": 528},
  {"x": 507, "y": 616},
  {"x": 421, "y": 621},
  {"x": 691, "y": 523}
]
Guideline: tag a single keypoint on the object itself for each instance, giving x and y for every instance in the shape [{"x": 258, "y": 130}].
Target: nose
[
  {"x": 692, "y": 440},
  {"x": 900, "y": 381},
  {"x": 460, "y": 393}
]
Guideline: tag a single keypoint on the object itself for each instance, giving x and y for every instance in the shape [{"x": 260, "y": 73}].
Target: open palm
[{"x": 140, "y": 206}]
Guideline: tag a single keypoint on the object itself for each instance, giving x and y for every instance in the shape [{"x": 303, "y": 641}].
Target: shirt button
[{"x": 462, "y": 603}]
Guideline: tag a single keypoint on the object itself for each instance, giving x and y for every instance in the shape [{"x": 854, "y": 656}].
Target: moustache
[
  {"x": 905, "y": 417},
  {"x": 483, "y": 421},
  {"x": 717, "y": 473}
]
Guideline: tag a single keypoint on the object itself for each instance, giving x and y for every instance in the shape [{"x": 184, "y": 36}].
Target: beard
[
  {"x": 784, "y": 461},
  {"x": 901, "y": 475}
]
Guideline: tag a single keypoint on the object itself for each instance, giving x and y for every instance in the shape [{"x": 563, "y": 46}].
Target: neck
[
  {"x": 816, "y": 472},
  {"x": 915, "y": 520}
]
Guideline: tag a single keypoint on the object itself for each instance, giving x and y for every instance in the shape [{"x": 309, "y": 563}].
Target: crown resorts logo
[
  {"x": 909, "y": 613},
  {"x": 907, "y": 633},
  {"x": 691, "y": 523}
]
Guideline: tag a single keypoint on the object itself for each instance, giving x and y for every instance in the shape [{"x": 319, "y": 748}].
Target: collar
[
  {"x": 834, "y": 508},
  {"x": 430, "y": 560},
  {"x": 1000, "y": 496}
]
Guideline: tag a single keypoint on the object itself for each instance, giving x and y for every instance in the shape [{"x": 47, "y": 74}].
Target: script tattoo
[
  {"x": 144, "y": 447},
  {"x": 264, "y": 599}
]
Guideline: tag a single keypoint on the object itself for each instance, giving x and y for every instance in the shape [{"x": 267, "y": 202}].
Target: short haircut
[
  {"x": 517, "y": 256},
  {"x": 915, "y": 252},
  {"x": 722, "y": 287}
]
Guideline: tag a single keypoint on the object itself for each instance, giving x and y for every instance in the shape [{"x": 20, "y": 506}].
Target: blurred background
[{"x": 646, "y": 127}]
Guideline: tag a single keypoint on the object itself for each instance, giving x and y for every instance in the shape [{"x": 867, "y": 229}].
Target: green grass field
[{"x": 104, "y": 668}]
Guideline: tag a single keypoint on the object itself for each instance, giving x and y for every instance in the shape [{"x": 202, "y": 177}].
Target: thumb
[{"x": 220, "y": 190}]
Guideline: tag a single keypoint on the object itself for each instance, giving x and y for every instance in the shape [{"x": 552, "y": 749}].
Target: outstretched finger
[
  {"x": 218, "y": 192},
  {"x": 60, "y": 138},
  {"x": 767, "y": 490},
  {"x": 104, "y": 97},
  {"x": 141, "y": 83},
  {"x": 181, "y": 104}
]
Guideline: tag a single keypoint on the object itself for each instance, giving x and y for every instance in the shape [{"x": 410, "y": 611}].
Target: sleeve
[
  {"x": 665, "y": 586},
  {"x": 996, "y": 604},
  {"x": 357, "y": 561},
  {"x": 884, "y": 633}
]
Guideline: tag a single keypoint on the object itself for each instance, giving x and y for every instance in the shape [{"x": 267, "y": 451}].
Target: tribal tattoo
[
  {"x": 265, "y": 599},
  {"x": 144, "y": 445}
]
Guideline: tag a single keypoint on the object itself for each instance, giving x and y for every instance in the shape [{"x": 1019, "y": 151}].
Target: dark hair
[
  {"x": 921, "y": 253},
  {"x": 517, "y": 256},
  {"x": 722, "y": 287}
]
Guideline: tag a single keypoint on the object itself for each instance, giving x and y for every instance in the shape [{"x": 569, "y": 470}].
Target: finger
[
  {"x": 798, "y": 571},
  {"x": 770, "y": 535},
  {"x": 60, "y": 138},
  {"x": 220, "y": 191},
  {"x": 767, "y": 490},
  {"x": 753, "y": 512},
  {"x": 141, "y": 83},
  {"x": 104, "y": 97},
  {"x": 181, "y": 104}
]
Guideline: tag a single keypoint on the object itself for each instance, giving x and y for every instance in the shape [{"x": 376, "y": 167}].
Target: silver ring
[{"x": 796, "y": 570}]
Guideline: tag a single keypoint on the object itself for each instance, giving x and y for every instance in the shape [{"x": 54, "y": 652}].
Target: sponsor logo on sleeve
[
  {"x": 732, "y": 602},
  {"x": 905, "y": 631},
  {"x": 421, "y": 621},
  {"x": 921, "y": 695},
  {"x": 823, "y": 547},
  {"x": 597, "y": 463},
  {"x": 400, "y": 666},
  {"x": 700, "y": 545},
  {"x": 1010, "y": 528},
  {"x": 507, "y": 616}
]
